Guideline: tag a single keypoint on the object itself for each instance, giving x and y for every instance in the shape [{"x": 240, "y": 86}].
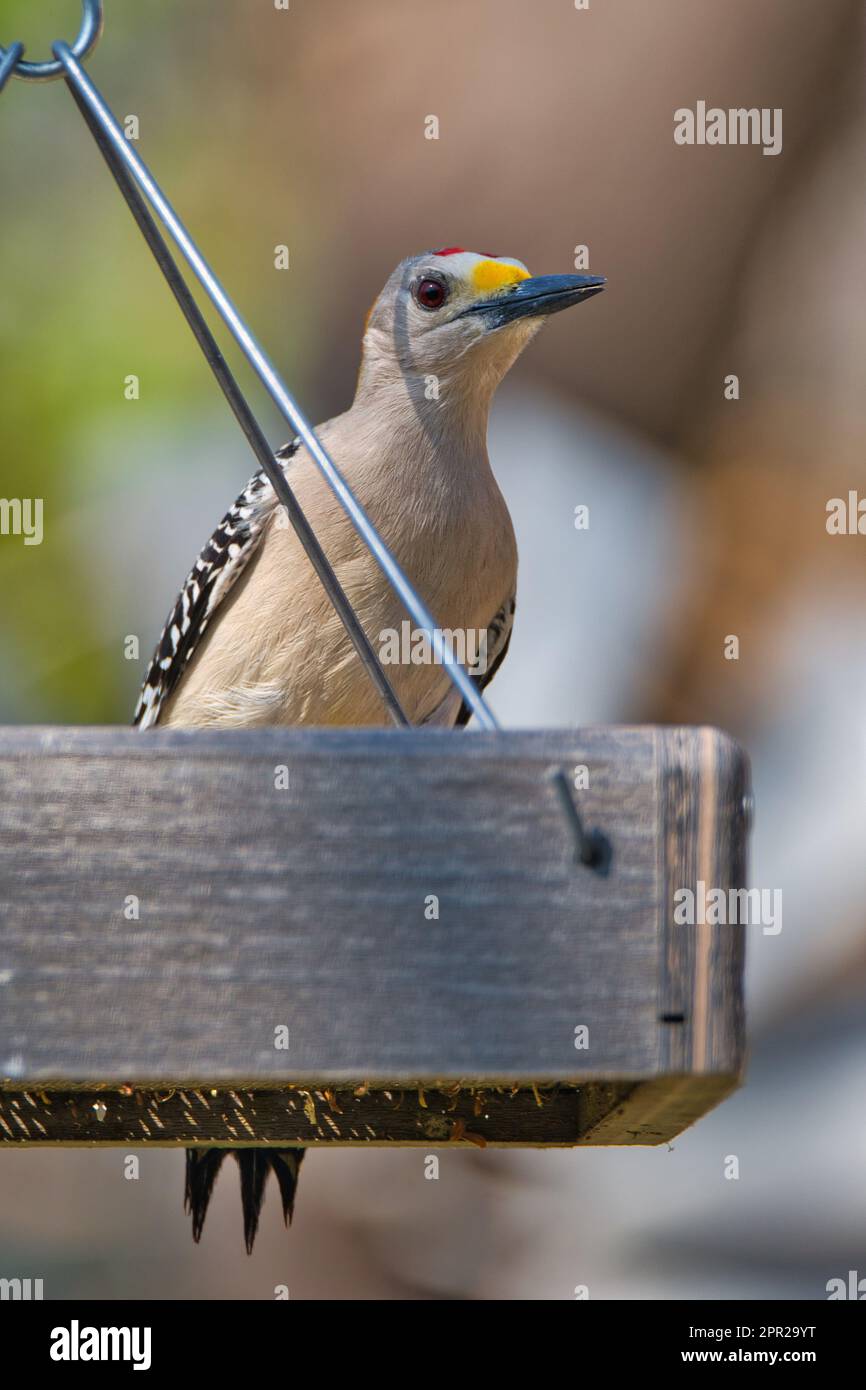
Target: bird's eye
[{"x": 430, "y": 294}]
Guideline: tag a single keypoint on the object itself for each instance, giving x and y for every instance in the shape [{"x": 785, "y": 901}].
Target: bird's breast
[{"x": 279, "y": 654}]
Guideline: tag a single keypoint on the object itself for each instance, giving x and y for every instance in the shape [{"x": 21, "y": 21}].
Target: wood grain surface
[{"x": 307, "y": 908}]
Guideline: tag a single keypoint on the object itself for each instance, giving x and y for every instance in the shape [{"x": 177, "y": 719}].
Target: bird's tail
[{"x": 202, "y": 1166}]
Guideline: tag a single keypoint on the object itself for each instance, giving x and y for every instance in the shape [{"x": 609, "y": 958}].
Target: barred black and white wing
[
  {"x": 217, "y": 569},
  {"x": 498, "y": 639}
]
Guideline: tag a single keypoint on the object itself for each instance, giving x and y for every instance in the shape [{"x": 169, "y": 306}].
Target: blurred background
[{"x": 305, "y": 128}]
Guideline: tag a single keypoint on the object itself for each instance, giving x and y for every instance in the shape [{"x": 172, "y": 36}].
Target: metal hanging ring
[
  {"x": 8, "y": 59},
  {"x": 88, "y": 37}
]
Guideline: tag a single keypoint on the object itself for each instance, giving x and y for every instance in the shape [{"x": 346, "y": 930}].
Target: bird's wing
[
  {"x": 498, "y": 638},
  {"x": 217, "y": 569}
]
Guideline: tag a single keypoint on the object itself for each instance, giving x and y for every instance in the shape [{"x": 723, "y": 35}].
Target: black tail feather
[
  {"x": 287, "y": 1165},
  {"x": 202, "y": 1166},
  {"x": 254, "y": 1165}
]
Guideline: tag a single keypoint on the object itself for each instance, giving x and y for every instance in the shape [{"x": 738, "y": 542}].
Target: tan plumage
[
  {"x": 253, "y": 640},
  {"x": 278, "y": 654}
]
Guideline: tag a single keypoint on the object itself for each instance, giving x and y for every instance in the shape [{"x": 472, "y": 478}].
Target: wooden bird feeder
[
  {"x": 319, "y": 936},
  {"x": 363, "y": 937}
]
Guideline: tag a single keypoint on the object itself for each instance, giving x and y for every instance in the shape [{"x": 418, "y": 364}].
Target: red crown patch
[{"x": 460, "y": 250}]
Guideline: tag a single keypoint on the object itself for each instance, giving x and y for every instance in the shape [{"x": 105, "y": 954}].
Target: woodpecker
[{"x": 252, "y": 639}]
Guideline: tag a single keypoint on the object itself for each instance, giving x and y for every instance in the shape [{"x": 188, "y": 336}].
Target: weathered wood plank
[
  {"x": 704, "y": 785},
  {"x": 596, "y": 1112},
  {"x": 304, "y": 907},
  {"x": 479, "y": 1116}
]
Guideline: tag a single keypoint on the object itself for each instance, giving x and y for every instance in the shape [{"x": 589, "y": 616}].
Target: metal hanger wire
[{"x": 144, "y": 196}]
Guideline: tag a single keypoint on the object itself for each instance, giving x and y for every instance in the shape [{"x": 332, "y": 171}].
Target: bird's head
[{"x": 462, "y": 316}]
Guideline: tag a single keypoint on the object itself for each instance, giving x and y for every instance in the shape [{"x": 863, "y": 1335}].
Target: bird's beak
[{"x": 536, "y": 297}]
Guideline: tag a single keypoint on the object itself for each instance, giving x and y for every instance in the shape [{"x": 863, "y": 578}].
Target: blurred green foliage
[{"x": 82, "y": 306}]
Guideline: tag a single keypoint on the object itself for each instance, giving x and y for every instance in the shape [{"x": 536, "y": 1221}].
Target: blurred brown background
[{"x": 708, "y": 517}]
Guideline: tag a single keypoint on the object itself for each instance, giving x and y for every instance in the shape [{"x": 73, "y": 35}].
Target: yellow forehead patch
[{"x": 492, "y": 275}]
